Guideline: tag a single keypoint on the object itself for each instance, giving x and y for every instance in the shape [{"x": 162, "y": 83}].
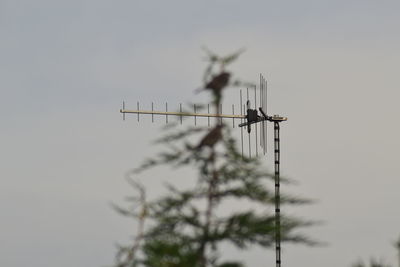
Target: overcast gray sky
[{"x": 65, "y": 67}]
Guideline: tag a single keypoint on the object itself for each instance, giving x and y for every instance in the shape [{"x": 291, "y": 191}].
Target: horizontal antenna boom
[{"x": 187, "y": 114}]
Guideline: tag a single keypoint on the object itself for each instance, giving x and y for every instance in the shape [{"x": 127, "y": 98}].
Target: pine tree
[{"x": 184, "y": 228}]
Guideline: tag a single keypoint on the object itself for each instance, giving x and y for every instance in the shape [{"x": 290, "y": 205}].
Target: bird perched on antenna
[{"x": 211, "y": 138}]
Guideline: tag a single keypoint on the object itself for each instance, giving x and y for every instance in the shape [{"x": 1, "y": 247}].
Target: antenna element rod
[{"x": 241, "y": 113}]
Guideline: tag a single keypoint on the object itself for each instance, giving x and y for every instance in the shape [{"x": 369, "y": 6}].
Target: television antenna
[{"x": 253, "y": 116}]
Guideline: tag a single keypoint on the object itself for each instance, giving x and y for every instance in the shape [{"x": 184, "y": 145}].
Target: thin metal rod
[
  {"x": 264, "y": 133},
  {"x": 248, "y": 130},
  {"x": 208, "y": 108},
  {"x": 266, "y": 96},
  {"x": 248, "y": 135},
  {"x": 138, "y": 109},
  {"x": 166, "y": 112},
  {"x": 261, "y": 126},
  {"x": 277, "y": 195},
  {"x": 186, "y": 114},
  {"x": 180, "y": 109},
  {"x": 241, "y": 114},
  {"x": 123, "y": 107},
  {"x": 220, "y": 112},
  {"x": 262, "y": 92},
  {"x": 152, "y": 109},
  {"x": 233, "y": 112},
  {"x": 266, "y": 111},
  {"x": 194, "y": 109},
  {"x": 255, "y": 106}
]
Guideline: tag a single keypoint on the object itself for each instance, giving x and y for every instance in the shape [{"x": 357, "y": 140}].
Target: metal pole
[{"x": 277, "y": 195}]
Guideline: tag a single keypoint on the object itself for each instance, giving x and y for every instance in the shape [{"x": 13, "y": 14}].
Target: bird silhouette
[
  {"x": 211, "y": 138},
  {"x": 216, "y": 85},
  {"x": 218, "y": 82}
]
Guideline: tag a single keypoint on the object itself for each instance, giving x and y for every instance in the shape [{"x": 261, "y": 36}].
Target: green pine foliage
[{"x": 184, "y": 227}]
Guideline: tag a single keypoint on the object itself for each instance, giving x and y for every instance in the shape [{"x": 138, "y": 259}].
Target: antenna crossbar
[{"x": 186, "y": 114}]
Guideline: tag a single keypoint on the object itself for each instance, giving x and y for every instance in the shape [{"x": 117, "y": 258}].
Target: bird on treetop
[
  {"x": 211, "y": 138},
  {"x": 218, "y": 82}
]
